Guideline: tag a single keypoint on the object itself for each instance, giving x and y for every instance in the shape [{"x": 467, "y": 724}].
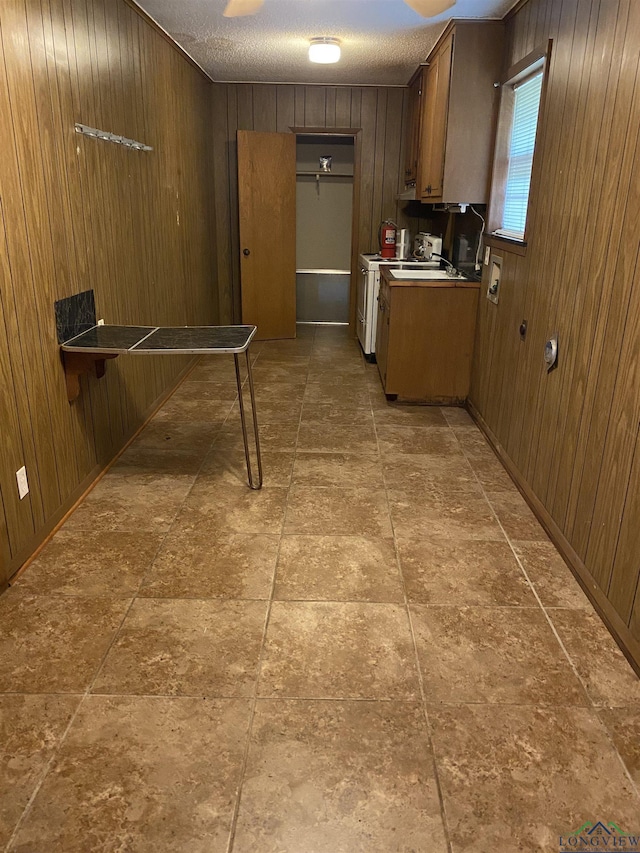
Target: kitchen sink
[{"x": 422, "y": 275}]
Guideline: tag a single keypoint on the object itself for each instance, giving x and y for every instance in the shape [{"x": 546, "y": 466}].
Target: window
[
  {"x": 518, "y": 125},
  {"x": 521, "y": 144}
]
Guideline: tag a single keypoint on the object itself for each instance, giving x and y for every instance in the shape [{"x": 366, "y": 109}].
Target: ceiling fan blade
[
  {"x": 239, "y": 8},
  {"x": 430, "y": 8}
]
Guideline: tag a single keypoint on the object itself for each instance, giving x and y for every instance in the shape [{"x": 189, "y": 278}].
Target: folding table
[{"x": 94, "y": 346}]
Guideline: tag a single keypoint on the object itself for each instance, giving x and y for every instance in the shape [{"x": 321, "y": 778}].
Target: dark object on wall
[{"x": 75, "y": 314}]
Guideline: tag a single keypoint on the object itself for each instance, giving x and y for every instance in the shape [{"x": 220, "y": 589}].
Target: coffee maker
[{"x": 425, "y": 245}]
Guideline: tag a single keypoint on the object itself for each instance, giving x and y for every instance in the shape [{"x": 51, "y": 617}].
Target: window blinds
[{"x": 522, "y": 142}]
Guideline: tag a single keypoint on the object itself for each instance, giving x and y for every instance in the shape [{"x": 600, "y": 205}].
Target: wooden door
[{"x": 267, "y": 206}]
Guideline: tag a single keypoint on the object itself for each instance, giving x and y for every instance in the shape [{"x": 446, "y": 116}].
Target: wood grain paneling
[
  {"x": 78, "y": 213},
  {"x": 572, "y": 434},
  {"x": 379, "y": 114}
]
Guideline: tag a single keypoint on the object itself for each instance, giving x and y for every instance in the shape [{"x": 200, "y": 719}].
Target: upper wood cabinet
[
  {"x": 458, "y": 113},
  {"x": 412, "y": 141}
]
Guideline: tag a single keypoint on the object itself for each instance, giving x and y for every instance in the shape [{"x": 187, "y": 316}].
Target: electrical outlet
[
  {"x": 493, "y": 290},
  {"x": 101, "y": 322},
  {"x": 23, "y": 483}
]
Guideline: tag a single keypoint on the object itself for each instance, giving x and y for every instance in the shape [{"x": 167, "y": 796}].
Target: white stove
[{"x": 368, "y": 287}]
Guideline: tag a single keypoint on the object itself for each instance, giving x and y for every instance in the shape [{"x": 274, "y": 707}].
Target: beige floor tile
[
  {"x": 269, "y": 410},
  {"x": 516, "y": 517},
  {"x": 519, "y": 778},
  {"x": 229, "y": 467},
  {"x": 451, "y": 516},
  {"x": 30, "y": 729},
  {"x": 233, "y": 509},
  {"x": 623, "y": 725},
  {"x": 457, "y": 417},
  {"x": 548, "y": 572},
  {"x": 339, "y": 777},
  {"x": 472, "y": 440},
  {"x": 149, "y": 774},
  {"x": 320, "y": 436},
  {"x": 279, "y": 394},
  {"x": 338, "y": 568},
  {"x": 424, "y": 474},
  {"x": 434, "y": 441},
  {"x": 609, "y": 678},
  {"x": 446, "y": 572},
  {"x": 491, "y": 473},
  {"x": 194, "y": 411},
  {"x": 91, "y": 563},
  {"x": 220, "y": 368},
  {"x": 344, "y": 380},
  {"x": 286, "y": 372},
  {"x": 350, "y": 365},
  {"x": 152, "y": 461},
  {"x": 337, "y": 511},
  {"x": 328, "y": 413},
  {"x": 190, "y": 439},
  {"x": 282, "y": 435},
  {"x": 186, "y": 648},
  {"x": 131, "y": 502},
  {"x": 337, "y": 650},
  {"x": 297, "y": 359},
  {"x": 344, "y": 470},
  {"x": 399, "y": 414},
  {"x": 337, "y": 396},
  {"x": 299, "y": 347},
  {"x": 492, "y": 654},
  {"x": 193, "y": 563},
  {"x": 221, "y": 394},
  {"x": 54, "y": 644}
]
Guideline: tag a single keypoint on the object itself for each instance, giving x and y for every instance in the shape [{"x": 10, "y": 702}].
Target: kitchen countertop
[{"x": 421, "y": 278}]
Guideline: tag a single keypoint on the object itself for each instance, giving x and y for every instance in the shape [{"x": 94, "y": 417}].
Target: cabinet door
[
  {"x": 412, "y": 142},
  {"x": 434, "y": 122},
  {"x": 382, "y": 335}
]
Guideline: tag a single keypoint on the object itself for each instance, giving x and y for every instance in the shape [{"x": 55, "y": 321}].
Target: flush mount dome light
[{"x": 324, "y": 50}]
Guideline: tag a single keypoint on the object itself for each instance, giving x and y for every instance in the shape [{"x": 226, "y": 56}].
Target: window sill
[{"x": 516, "y": 247}]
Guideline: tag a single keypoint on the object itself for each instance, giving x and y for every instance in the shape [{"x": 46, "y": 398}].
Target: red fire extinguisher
[{"x": 387, "y": 237}]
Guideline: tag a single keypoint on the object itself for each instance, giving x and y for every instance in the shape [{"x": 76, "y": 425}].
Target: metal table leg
[{"x": 252, "y": 483}]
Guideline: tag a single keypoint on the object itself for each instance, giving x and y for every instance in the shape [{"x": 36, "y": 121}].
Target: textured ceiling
[{"x": 383, "y": 41}]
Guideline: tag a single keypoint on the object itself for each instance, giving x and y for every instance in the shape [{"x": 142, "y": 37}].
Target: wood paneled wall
[
  {"x": 573, "y": 434},
  {"x": 77, "y": 213},
  {"x": 379, "y": 112}
]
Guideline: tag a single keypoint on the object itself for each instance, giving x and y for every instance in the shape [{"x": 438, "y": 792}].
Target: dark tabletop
[
  {"x": 167, "y": 339},
  {"x": 108, "y": 338}
]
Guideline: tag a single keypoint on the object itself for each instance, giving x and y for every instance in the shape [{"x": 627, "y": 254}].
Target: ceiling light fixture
[{"x": 324, "y": 50}]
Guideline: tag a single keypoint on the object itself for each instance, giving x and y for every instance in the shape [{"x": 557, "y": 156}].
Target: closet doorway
[{"x": 325, "y": 176}]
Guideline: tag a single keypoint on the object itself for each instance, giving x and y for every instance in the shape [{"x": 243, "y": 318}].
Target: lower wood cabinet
[{"x": 424, "y": 342}]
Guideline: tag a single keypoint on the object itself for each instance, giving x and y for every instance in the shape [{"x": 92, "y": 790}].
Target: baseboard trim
[
  {"x": 26, "y": 556},
  {"x": 620, "y": 632}
]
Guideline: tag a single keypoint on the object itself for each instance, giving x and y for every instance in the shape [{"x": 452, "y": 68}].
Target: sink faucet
[{"x": 451, "y": 270}]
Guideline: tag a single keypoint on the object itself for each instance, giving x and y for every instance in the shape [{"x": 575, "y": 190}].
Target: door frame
[{"x": 354, "y": 133}]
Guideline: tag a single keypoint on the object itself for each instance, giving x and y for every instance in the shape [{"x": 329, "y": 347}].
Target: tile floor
[{"x": 381, "y": 651}]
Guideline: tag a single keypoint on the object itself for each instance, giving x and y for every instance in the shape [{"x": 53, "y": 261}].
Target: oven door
[{"x": 371, "y": 313}]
